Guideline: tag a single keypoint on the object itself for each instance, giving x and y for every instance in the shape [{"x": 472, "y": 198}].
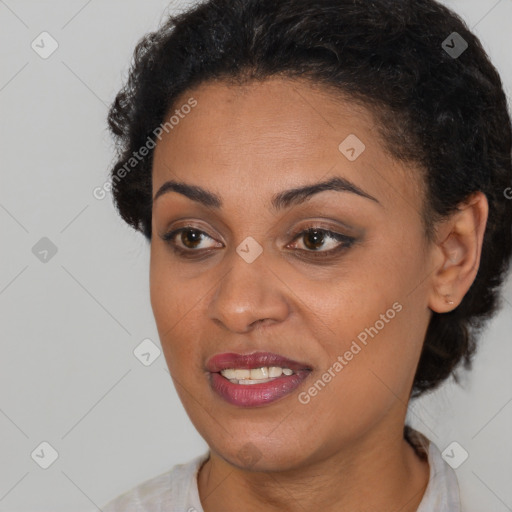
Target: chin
[{"x": 261, "y": 453}]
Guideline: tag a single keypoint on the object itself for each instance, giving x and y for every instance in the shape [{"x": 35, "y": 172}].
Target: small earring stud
[{"x": 451, "y": 302}]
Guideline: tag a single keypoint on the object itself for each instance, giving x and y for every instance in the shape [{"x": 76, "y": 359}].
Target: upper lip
[{"x": 226, "y": 360}]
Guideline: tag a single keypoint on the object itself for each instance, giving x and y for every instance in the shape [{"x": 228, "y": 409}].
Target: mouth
[{"x": 252, "y": 380}]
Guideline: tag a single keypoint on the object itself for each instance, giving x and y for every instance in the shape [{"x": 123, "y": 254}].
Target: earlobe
[{"x": 459, "y": 249}]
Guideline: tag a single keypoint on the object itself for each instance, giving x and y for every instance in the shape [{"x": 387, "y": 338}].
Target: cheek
[
  {"x": 361, "y": 382},
  {"x": 177, "y": 306},
  {"x": 171, "y": 296},
  {"x": 375, "y": 325}
]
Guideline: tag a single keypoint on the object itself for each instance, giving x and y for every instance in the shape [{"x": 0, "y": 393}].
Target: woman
[{"x": 323, "y": 186}]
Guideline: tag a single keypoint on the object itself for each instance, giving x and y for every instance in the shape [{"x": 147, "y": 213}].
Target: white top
[{"x": 176, "y": 490}]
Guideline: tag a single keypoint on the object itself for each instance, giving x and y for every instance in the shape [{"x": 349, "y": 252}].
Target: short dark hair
[{"x": 446, "y": 112}]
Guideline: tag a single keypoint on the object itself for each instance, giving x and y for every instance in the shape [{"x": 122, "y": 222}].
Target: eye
[
  {"x": 190, "y": 239},
  {"x": 187, "y": 240},
  {"x": 316, "y": 238}
]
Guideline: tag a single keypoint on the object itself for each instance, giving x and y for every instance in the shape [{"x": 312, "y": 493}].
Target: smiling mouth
[
  {"x": 252, "y": 380},
  {"x": 255, "y": 375}
]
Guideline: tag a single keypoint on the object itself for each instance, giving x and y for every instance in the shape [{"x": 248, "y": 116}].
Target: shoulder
[
  {"x": 172, "y": 489},
  {"x": 442, "y": 493}
]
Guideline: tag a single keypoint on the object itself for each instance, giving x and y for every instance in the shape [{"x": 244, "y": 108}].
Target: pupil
[
  {"x": 314, "y": 234},
  {"x": 188, "y": 235}
]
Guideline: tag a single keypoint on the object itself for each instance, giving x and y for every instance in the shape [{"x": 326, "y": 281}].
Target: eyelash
[{"x": 345, "y": 241}]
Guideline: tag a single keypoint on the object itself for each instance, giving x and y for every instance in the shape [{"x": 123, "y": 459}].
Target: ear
[{"x": 456, "y": 254}]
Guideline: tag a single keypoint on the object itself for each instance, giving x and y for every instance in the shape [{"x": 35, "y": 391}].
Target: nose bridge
[{"x": 248, "y": 294}]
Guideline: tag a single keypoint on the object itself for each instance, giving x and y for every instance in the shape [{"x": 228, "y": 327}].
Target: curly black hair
[{"x": 439, "y": 104}]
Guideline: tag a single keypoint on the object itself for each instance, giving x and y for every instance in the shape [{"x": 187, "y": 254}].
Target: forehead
[
  {"x": 267, "y": 136},
  {"x": 273, "y": 114}
]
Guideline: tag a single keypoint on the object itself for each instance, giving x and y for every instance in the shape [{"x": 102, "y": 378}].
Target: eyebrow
[{"x": 280, "y": 201}]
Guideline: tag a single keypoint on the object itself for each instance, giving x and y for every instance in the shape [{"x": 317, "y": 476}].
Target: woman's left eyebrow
[
  {"x": 280, "y": 201},
  {"x": 299, "y": 195}
]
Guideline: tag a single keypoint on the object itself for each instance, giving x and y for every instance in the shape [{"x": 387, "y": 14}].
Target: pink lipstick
[{"x": 252, "y": 380}]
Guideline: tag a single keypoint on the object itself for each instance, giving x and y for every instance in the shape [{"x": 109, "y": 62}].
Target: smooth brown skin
[{"x": 345, "y": 449}]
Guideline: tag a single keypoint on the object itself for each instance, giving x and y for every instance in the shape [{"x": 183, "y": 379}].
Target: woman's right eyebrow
[{"x": 280, "y": 201}]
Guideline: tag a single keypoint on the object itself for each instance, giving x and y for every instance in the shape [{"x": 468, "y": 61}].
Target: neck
[{"x": 385, "y": 465}]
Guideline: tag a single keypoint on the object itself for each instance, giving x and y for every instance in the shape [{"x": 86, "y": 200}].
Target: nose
[{"x": 249, "y": 296}]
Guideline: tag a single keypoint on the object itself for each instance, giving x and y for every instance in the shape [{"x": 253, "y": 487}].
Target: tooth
[
  {"x": 257, "y": 381},
  {"x": 262, "y": 374},
  {"x": 229, "y": 373},
  {"x": 275, "y": 371},
  {"x": 259, "y": 373},
  {"x": 242, "y": 374}
]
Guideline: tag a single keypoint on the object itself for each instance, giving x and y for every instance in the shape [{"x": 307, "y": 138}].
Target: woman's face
[{"x": 351, "y": 311}]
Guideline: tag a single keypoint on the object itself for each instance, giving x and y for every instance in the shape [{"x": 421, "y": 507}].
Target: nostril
[{"x": 261, "y": 323}]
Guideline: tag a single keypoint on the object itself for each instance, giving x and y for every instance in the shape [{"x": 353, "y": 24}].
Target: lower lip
[{"x": 254, "y": 395}]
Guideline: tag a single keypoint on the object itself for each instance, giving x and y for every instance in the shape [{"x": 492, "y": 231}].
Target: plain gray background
[{"x": 69, "y": 325}]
